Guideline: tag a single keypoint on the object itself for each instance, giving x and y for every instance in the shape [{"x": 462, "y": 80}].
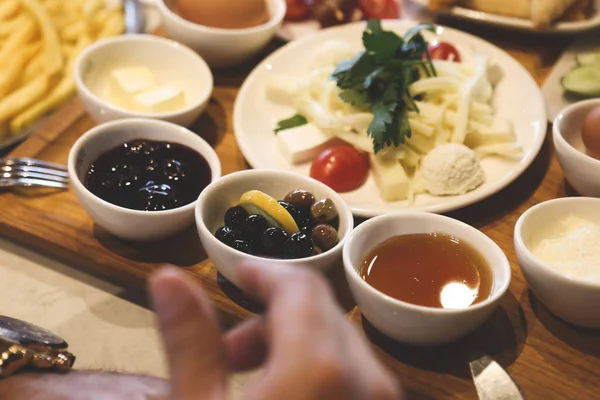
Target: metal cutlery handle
[
  {"x": 31, "y": 182},
  {"x": 134, "y": 16}
]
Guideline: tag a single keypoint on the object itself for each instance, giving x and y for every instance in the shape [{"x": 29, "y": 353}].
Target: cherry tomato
[
  {"x": 444, "y": 51},
  {"x": 384, "y": 9},
  {"x": 342, "y": 168},
  {"x": 297, "y": 10}
]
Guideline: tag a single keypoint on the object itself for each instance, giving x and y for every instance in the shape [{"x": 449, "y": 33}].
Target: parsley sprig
[{"x": 379, "y": 78}]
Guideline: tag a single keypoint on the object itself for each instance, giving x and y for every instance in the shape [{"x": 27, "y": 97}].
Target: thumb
[{"x": 191, "y": 336}]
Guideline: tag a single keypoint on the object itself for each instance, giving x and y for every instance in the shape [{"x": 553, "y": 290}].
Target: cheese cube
[
  {"x": 124, "y": 83},
  {"x": 157, "y": 100},
  {"x": 303, "y": 143},
  {"x": 390, "y": 178}
]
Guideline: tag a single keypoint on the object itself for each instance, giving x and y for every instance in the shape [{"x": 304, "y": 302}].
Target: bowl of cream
[{"x": 557, "y": 246}]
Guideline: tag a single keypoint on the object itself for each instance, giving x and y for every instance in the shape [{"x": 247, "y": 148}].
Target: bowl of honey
[{"x": 422, "y": 278}]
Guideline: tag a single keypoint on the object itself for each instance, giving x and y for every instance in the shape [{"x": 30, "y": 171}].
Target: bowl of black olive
[
  {"x": 270, "y": 216},
  {"x": 140, "y": 179}
]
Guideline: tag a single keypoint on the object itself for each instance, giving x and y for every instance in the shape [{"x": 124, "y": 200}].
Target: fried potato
[
  {"x": 21, "y": 98},
  {"x": 33, "y": 68},
  {"x": 58, "y": 95},
  {"x": 53, "y": 6},
  {"x": 8, "y": 9},
  {"x": 71, "y": 32},
  {"x": 53, "y": 54},
  {"x": 39, "y": 43},
  {"x": 115, "y": 24}
]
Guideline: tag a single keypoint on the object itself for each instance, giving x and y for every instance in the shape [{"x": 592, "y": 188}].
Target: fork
[{"x": 29, "y": 172}]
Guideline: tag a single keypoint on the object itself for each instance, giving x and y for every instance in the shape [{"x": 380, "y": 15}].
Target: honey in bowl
[{"x": 432, "y": 270}]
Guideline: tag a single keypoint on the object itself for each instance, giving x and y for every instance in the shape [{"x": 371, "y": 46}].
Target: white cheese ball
[{"x": 451, "y": 169}]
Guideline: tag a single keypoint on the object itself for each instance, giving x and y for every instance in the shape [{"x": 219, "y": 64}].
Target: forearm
[{"x": 83, "y": 385}]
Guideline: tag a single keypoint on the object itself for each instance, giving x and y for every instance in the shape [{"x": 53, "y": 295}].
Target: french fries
[{"x": 39, "y": 43}]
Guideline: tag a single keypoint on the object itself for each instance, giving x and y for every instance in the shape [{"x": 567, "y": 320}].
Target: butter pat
[
  {"x": 157, "y": 100},
  {"x": 124, "y": 83}
]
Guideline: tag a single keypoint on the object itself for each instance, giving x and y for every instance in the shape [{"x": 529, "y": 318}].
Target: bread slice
[
  {"x": 544, "y": 12},
  {"x": 509, "y": 8}
]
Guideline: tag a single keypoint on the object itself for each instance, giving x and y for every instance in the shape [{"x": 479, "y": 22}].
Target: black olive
[
  {"x": 255, "y": 225},
  {"x": 300, "y": 217},
  {"x": 324, "y": 236},
  {"x": 243, "y": 246},
  {"x": 273, "y": 240},
  {"x": 300, "y": 198},
  {"x": 228, "y": 234},
  {"x": 236, "y": 217},
  {"x": 323, "y": 210},
  {"x": 299, "y": 245}
]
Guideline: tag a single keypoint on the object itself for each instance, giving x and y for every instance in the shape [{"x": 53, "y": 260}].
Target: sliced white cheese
[
  {"x": 303, "y": 143},
  {"x": 124, "y": 83},
  {"x": 158, "y": 100},
  {"x": 390, "y": 178},
  {"x": 283, "y": 89}
]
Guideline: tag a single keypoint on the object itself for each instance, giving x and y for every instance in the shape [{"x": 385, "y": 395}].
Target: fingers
[
  {"x": 191, "y": 335},
  {"x": 301, "y": 309},
  {"x": 246, "y": 345}
]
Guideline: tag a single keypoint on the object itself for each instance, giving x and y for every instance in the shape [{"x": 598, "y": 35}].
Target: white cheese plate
[
  {"x": 562, "y": 27},
  {"x": 516, "y": 97}
]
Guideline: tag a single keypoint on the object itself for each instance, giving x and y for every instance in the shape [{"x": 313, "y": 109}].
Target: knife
[{"x": 492, "y": 381}]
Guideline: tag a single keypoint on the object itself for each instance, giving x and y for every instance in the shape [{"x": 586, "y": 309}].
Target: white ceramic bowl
[
  {"x": 411, "y": 323},
  {"x": 226, "y": 192},
  {"x": 581, "y": 170},
  {"x": 222, "y": 47},
  {"x": 172, "y": 64},
  {"x": 573, "y": 299},
  {"x": 123, "y": 222}
]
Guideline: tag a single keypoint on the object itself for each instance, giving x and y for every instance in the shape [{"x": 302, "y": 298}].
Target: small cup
[
  {"x": 408, "y": 322},
  {"x": 572, "y": 299},
  {"x": 222, "y": 47},
  {"x": 581, "y": 170},
  {"x": 122, "y": 222},
  {"x": 219, "y": 196},
  {"x": 171, "y": 63}
]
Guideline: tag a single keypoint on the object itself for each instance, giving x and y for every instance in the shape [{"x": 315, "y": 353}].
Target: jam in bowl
[{"x": 139, "y": 179}]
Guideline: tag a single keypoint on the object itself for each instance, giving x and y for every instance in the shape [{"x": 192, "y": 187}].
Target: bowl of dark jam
[
  {"x": 271, "y": 216},
  {"x": 140, "y": 179}
]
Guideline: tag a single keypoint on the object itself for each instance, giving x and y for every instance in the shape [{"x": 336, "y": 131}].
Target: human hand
[{"x": 304, "y": 344}]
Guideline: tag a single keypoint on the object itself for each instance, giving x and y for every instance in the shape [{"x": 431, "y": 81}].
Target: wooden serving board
[{"x": 547, "y": 358}]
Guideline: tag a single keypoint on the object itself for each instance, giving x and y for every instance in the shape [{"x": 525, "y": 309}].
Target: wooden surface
[{"x": 547, "y": 358}]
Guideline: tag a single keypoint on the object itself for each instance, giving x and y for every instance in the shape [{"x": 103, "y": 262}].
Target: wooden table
[{"x": 547, "y": 358}]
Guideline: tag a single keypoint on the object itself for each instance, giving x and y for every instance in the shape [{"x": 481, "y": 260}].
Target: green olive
[
  {"x": 325, "y": 236},
  {"x": 300, "y": 198},
  {"x": 323, "y": 210}
]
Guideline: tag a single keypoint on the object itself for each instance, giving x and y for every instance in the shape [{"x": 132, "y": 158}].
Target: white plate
[
  {"x": 516, "y": 97},
  {"x": 554, "y": 94},
  {"x": 520, "y": 23}
]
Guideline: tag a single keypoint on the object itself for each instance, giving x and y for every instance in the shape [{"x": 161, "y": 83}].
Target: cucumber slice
[
  {"x": 584, "y": 81},
  {"x": 588, "y": 58}
]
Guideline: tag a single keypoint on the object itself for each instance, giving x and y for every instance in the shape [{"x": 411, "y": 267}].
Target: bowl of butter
[
  {"x": 557, "y": 246},
  {"x": 142, "y": 76}
]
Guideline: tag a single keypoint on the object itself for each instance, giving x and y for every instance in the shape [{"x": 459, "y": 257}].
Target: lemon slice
[{"x": 257, "y": 202}]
